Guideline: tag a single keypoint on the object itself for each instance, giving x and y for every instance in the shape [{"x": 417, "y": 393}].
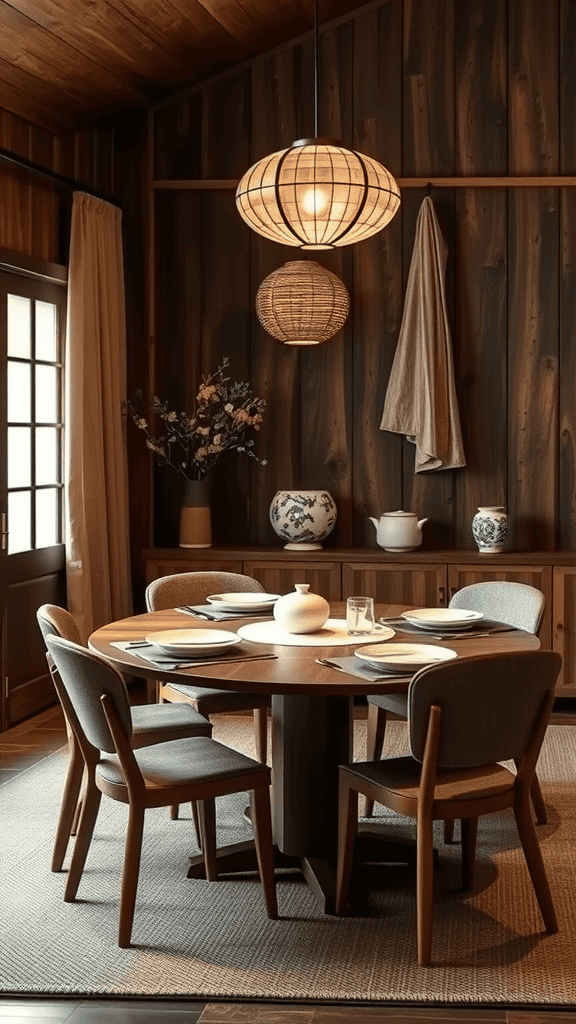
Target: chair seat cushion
[
  {"x": 396, "y": 702},
  {"x": 158, "y": 723},
  {"x": 182, "y": 762},
  {"x": 401, "y": 775},
  {"x": 211, "y": 701}
]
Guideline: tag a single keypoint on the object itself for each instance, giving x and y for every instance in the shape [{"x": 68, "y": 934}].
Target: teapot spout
[
  {"x": 373, "y": 520},
  {"x": 421, "y": 523}
]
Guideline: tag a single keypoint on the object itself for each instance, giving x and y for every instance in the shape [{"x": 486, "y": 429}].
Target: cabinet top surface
[{"x": 418, "y": 556}]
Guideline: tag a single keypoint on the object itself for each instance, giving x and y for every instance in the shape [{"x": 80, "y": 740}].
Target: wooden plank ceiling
[{"x": 71, "y": 62}]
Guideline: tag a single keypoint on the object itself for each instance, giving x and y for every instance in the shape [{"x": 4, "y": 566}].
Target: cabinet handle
[
  {"x": 453, "y": 591},
  {"x": 442, "y": 595}
]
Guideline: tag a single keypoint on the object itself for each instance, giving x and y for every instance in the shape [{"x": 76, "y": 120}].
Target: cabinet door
[
  {"x": 156, "y": 567},
  {"x": 539, "y": 576},
  {"x": 279, "y": 577},
  {"x": 421, "y": 585},
  {"x": 564, "y": 627}
]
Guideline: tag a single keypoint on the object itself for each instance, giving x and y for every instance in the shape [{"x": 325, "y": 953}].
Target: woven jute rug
[{"x": 213, "y": 939}]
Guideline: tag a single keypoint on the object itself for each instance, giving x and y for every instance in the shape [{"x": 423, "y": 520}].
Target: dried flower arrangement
[{"x": 224, "y": 413}]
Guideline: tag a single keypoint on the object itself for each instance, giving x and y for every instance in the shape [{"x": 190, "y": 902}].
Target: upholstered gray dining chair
[
  {"x": 193, "y": 769},
  {"x": 454, "y": 767},
  {"x": 193, "y": 588},
  {"x": 515, "y": 604},
  {"x": 151, "y": 723}
]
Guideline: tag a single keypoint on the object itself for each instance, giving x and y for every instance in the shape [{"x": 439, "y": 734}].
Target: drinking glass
[{"x": 360, "y": 615}]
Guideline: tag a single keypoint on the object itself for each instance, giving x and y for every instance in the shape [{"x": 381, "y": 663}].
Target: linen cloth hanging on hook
[{"x": 421, "y": 395}]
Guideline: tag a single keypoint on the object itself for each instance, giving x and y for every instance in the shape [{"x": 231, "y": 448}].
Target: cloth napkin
[
  {"x": 421, "y": 396},
  {"x": 354, "y": 667}
]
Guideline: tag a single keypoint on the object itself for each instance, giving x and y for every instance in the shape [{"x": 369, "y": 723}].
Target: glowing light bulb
[{"x": 315, "y": 201}]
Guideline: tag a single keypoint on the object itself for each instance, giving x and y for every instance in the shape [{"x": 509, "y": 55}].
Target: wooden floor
[{"x": 27, "y": 744}]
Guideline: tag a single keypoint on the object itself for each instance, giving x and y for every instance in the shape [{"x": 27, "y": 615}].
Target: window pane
[
  {"x": 19, "y": 522},
  {"x": 46, "y": 331},
  {"x": 46, "y": 394},
  {"x": 47, "y": 461},
  {"x": 47, "y": 531},
  {"x": 19, "y": 463},
  {"x": 19, "y": 326},
  {"x": 19, "y": 406}
]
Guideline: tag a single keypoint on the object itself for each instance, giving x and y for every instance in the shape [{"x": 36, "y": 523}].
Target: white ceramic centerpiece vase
[
  {"x": 303, "y": 518},
  {"x": 301, "y": 612},
  {"x": 489, "y": 528}
]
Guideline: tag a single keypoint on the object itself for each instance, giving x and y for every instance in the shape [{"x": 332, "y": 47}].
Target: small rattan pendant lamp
[
  {"x": 317, "y": 194},
  {"x": 302, "y": 303}
]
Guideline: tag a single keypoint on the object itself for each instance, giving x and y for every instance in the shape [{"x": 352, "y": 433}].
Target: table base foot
[{"x": 319, "y": 873}]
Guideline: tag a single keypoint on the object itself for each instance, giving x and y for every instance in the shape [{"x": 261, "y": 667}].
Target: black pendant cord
[{"x": 76, "y": 186}]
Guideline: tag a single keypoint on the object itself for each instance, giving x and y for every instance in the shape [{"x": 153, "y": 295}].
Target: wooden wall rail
[{"x": 518, "y": 181}]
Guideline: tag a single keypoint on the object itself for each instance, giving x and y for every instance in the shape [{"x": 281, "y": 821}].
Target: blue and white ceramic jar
[
  {"x": 303, "y": 518},
  {"x": 489, "y": 528}
]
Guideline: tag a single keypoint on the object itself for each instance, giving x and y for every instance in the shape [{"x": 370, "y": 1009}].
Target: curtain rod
[
  {"x": 519, "y": 181},
  {"x": 21, "y": 161}
]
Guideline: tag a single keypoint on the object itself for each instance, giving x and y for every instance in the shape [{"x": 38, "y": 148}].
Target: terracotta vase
[{"x": 195, "y": 523}]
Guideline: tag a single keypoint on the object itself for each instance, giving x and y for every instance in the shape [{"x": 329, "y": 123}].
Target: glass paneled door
[{"x": 32, "y": 317}]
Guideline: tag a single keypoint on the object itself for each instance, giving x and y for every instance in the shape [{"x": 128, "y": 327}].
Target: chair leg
[
  {"x": 538, "y": 801},
  {"x": 262, "y": 825},
  {"x": 76, "y": 819},
  {"x": 448, "y": 831},
  {"x": 261, "y": 733},
  {"x": 533, "y": 856},
  {"x": 130, "y": 872},
  {"x": 469, "y": 830},
  {"x": 347, "y": 829},
  {"x": 69, "y": 806},
  {"x": 90, "y": 807},
  {"x": 196, "y": 820},
  {"x": 376, "y": 730},
  {"x": 174, "y": 812},
  {"x": 207, "y": 818},
  {"x": 424, "y": 889}
]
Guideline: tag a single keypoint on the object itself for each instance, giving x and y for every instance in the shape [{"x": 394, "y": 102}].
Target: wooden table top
[{"x": 294, "y": 670}]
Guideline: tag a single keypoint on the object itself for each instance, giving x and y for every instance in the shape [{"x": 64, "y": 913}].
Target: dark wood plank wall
[
  {"x": 35, "y": 211},
  {"x": 431, "y": 88}
]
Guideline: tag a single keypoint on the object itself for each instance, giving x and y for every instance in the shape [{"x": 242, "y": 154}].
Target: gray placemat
[
  {"x": 156, "y": 656},
  {"x": 353, "y": 667},
  {"x": 207, "y": 611}
]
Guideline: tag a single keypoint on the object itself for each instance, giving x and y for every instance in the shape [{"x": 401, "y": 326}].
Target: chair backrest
[
  {"x": 490, "y": 705},
  {"x": 86, "y": 676},
  {"x": 195, "y": 587},
  {"x": 56, "y": 621},
  {"x": 516, "y": 604}
]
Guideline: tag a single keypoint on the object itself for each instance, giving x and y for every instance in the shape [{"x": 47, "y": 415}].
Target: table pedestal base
[{"x": 319, "y": 872}]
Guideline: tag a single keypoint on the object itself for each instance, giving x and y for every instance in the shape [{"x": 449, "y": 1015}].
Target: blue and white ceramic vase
[
  {"x": 489, "y": 528},
  {"x": 303, "y": 518}
]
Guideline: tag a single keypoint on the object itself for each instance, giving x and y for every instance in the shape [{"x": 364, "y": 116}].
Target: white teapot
[{"x": 398, "y": 531}]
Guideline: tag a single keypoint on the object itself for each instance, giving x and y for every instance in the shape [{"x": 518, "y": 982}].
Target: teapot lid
[{"x": 401, "y": 513}]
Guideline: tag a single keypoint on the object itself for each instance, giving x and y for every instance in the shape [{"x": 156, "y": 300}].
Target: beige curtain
[{"x": 97, "y": 537}]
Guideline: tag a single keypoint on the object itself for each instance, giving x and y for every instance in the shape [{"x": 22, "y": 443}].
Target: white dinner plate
[
  {"x": 250, "y": 601},
  {"x": 442, "y": 618},
  {"x": 404, "y": 657},
  {"x": 194, "y": 641}
]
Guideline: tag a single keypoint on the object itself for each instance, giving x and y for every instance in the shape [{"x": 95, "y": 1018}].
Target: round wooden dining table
[{"x": 312, "y": 720}]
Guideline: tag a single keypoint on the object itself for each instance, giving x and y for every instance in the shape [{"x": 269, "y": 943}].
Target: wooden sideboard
[{"x": 422, "y": 578}]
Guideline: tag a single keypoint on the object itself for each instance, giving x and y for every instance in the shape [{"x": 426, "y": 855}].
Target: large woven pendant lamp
[
  {"x": 317, "y": 194},
  {"x": 302, "y": 303}
]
